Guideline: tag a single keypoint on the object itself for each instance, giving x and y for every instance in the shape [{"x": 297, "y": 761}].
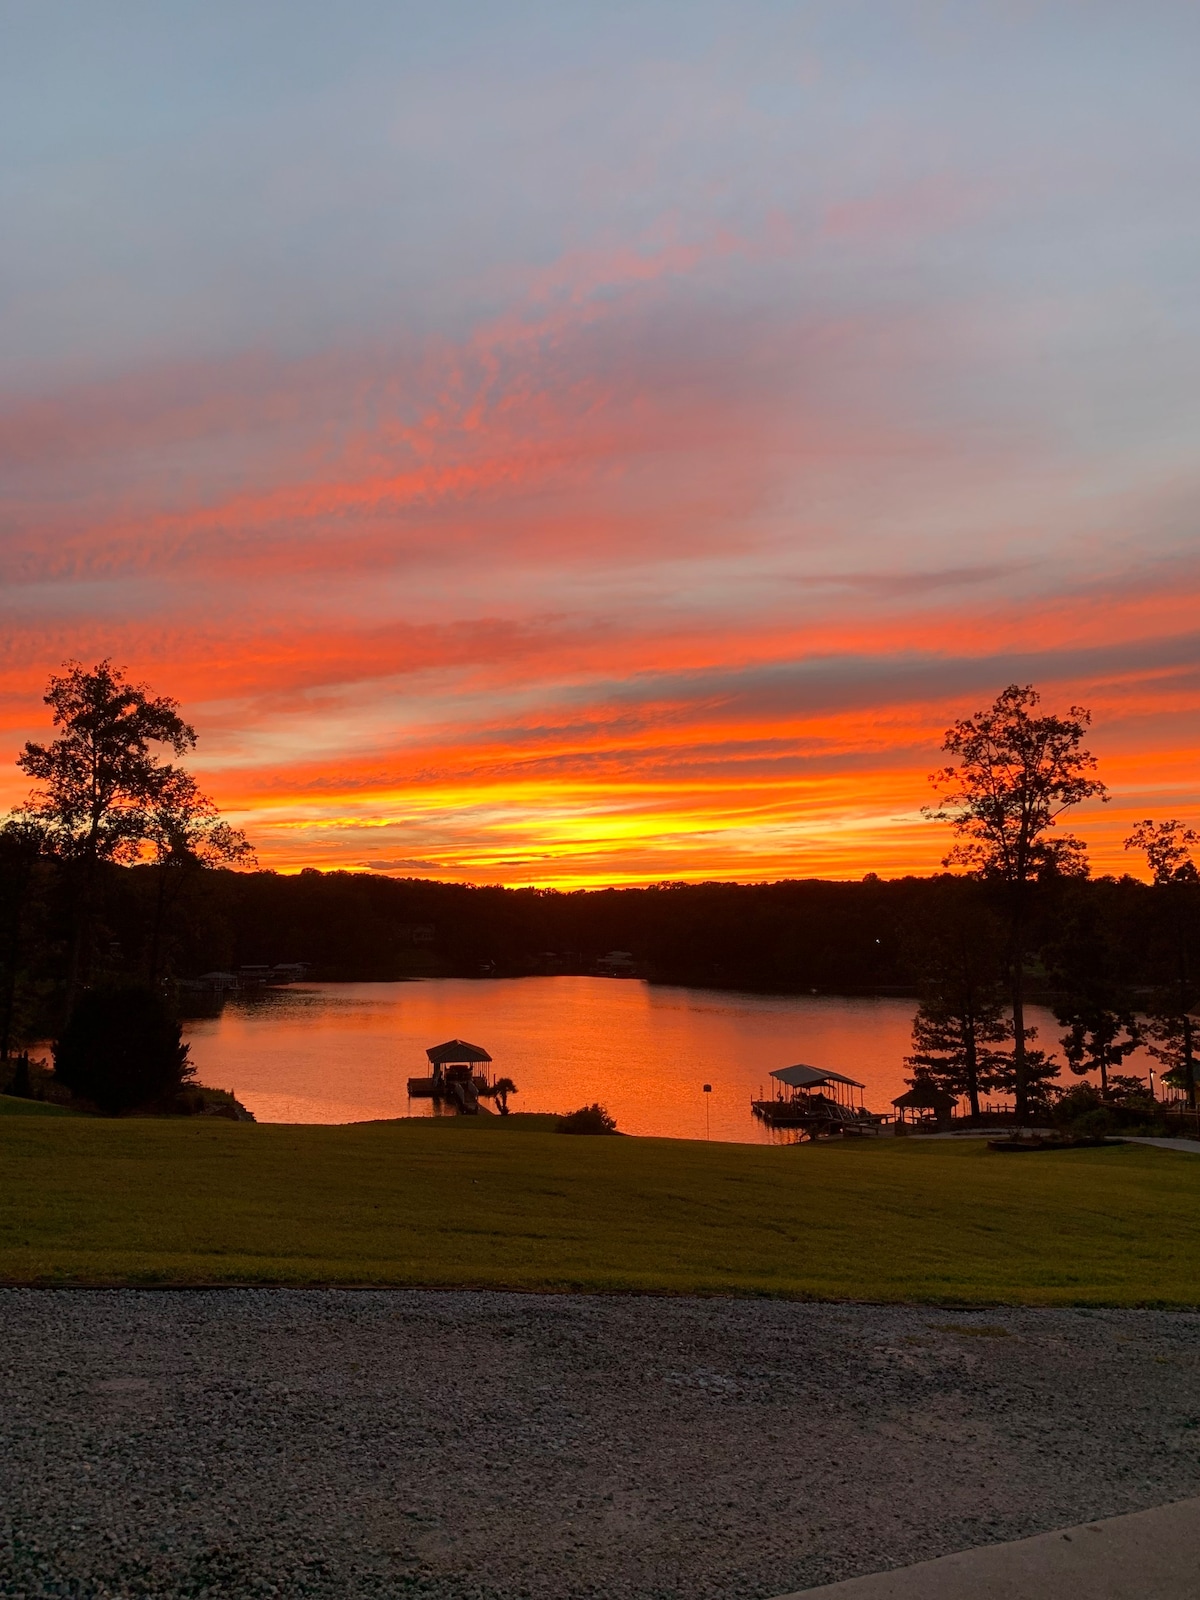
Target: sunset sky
[{"x": 578, "y": 443}]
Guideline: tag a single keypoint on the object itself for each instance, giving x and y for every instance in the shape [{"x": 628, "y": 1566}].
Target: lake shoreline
[{"x": 324, "y": 1052}]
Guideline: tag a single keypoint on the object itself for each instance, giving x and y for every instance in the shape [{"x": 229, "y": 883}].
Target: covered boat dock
[
  {"x": 461, "y": 1072},
  {"x": 817, "y": 1102}
]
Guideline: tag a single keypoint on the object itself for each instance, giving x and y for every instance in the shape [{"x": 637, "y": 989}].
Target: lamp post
[{"x": 707, "y": 1117}]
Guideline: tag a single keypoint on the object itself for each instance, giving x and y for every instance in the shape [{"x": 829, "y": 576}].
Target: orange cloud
[{"x": 619, "y": 586}]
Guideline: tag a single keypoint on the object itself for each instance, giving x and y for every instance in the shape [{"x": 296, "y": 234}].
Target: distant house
[
  {"x": 617, "y": 964},
  {"x": 210, "y": 983},
  {"x": 417, "y": 933},
  {"x": 262, "y": 972}
]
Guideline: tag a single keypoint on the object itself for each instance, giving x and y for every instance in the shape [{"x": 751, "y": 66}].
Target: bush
[
  {"x": 21, "y": 1085},
  {"x": 588, "y": 1119},
  {"x": 122, "y": 1049},
  {"x": 1097, "y": 1123},
  {"x": 1076, "y": 1102},
  {"x": 196, "y": 1100},
  {"x": 1083, "y": 1112}
]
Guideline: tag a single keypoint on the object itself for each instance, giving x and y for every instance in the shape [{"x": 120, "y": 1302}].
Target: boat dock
[
  {"x": 461, "y": 1074},
  {"x": 817, "y": 1102}
]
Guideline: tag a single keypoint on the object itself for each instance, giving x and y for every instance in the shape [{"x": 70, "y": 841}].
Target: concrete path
[
  {"x": 1148, "y": 1555},
  {"x": 1190, "y": 1147}
]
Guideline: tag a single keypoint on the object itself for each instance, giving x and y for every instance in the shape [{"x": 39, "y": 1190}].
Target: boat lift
[
  {"x": 461, "y": 1073},
  {"x": 816, "y": 1101}
]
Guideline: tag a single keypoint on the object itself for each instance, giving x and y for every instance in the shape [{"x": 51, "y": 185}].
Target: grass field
[
  {"x": 12, "y": 1106},
  {"x": 458, "y": 1202}
]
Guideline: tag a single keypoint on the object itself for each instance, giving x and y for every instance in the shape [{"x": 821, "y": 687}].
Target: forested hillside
[{"x": 791, "y": 935}]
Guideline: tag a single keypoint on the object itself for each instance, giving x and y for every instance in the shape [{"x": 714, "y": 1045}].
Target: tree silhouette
[
  {"x": 1094, "y": 1002},
  {"x": 22, "y": 865},
  {"x": 1170, "y": 1029},
  {"x": 1017, "y": 773},
  {"x": 1167, "y": 847},
  {"x": 186, "y": 833},
  {"x": 960, "y": 1019},
  {"x": 99, "y": 777},
  {"x": 501, "y": 1090},
  {"x": 122, "y": 1049},
  {"x": 957, "y": 947},
  {"x": 103, "y": 793}
]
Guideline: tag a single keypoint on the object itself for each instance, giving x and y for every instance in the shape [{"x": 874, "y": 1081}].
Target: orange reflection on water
[{"x": 344, "y": 1052}]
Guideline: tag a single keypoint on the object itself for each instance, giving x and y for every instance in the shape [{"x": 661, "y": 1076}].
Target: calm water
[{"x": 342, "y": 1052}]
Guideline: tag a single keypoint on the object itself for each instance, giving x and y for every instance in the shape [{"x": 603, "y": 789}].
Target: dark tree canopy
[
  {"x": 22, "y": 866},
  {"x": 1094, "y": 1000},
  {"x": 186, "y": 833},
  {"x": 1167, "y": 847},
  {"x": 183, "y": 827},
  {"x": 122, "y": 1049},
  {"x": 957, "y": 947},
  {"x": 1171, "y": 1030},
  {"x": 955, "y": 1034}
]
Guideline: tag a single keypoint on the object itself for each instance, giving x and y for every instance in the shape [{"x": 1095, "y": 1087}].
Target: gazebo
[{"x": 927, "y": 1098}]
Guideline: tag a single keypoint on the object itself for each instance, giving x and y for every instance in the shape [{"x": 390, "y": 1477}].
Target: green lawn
[
  {"x": 12, "y": 1106},
  {"x": 513, "y": 1205}
]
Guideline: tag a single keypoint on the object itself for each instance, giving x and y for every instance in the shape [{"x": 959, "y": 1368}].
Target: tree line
[
  {"x": 1017, "y": 772},
  {"x": 119, "y": 880}
]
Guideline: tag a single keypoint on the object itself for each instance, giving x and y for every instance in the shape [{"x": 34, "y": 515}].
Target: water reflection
[{"x": 343, "y": 1052}]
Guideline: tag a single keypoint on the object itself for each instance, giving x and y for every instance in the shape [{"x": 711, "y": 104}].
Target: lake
[{"x": 343, "y": 1052}]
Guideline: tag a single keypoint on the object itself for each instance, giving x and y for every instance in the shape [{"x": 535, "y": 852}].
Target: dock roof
[
  {"x": 802, "y": 1077},
  {"x": 455, "y": 1051}
]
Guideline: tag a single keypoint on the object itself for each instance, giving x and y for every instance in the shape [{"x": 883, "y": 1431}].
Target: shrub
[
  {"x": 1084, "y": 1112},
  {"x": 21, "y": 1085},
  {"x": 1075, "y": 1103},
  {"x": 1097, "y": 1123},
  {"x": 122, "y": 1049},
  {"x": 588, "y": 1119}
]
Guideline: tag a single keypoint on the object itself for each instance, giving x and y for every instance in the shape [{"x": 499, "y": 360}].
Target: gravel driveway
[{"x": 380, "y": 1443}]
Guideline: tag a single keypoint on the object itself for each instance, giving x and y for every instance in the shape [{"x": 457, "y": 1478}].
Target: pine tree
[
  {"x": 955, "y": 1032},
  {"x": 1094, "y": 1003},
  {"x": 959, "y": 955}
]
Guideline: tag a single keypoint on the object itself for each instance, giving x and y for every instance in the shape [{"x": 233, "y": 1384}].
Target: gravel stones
[{"x": 474, "y": 1446}]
